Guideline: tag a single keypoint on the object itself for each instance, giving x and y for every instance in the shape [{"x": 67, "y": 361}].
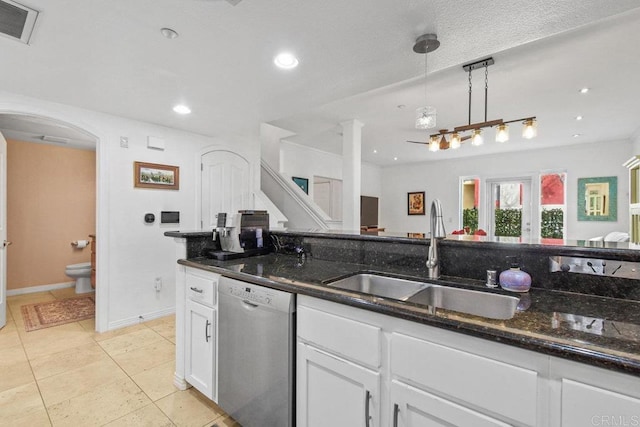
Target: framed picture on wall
[
  {"x": 153, "y": 175},
  {"x": 415, "y": 203},
  {"x": 302, "y": 183}
]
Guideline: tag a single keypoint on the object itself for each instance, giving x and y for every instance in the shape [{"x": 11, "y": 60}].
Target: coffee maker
[{"x": 243, "y": 234}]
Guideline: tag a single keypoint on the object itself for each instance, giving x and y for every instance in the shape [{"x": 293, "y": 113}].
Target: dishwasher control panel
[{"x": 255, "y": 294}]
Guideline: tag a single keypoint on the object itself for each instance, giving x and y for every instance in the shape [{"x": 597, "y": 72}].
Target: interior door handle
[{"x": 6, "y": 243}]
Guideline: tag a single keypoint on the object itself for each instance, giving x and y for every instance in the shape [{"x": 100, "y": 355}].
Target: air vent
[
  {"x": 56, "y": 139},
  {"x": 16, "y": 20}
]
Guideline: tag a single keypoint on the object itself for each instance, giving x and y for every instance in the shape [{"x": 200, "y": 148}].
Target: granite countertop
[{"x": 600, "y": 331}]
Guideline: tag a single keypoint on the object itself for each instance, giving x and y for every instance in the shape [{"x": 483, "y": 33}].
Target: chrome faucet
[{"x": 437, "y": 232}]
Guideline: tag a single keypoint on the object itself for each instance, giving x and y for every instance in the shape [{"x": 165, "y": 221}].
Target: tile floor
[{"x": 69, "y": 375}]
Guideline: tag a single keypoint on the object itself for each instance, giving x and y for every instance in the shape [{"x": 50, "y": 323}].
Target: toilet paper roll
[{"x": 80, "y": 244}]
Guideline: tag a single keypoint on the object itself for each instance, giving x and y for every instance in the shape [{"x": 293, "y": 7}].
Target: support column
[{"x": 351, "y": 174}]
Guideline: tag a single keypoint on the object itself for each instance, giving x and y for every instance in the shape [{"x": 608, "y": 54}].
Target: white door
[
  {"x": 509, "y": 199},
  {"x": 3, "y": 231},
  {"x": 225, "y": 185},
  {"x": 334, "y": 392}
]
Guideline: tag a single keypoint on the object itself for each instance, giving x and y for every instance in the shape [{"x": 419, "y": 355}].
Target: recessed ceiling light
[
  {"x": 584, "y": 90},
  {"x": 182, "y": 109},
  {"x": 578, "y": 118},
  {"x": 375, "y": 151},
  {"x": 286, "y": 61},
  {"x": 402, "y": 107},
  {"x": 395, "y": 158},
  {"x": 169, "y": 33},
  {"x": 576, "y": 135}
]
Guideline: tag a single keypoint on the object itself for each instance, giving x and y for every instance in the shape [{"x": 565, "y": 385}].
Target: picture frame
[
  {"x": 598, "y": 198},
  {"x": 303, "y": 183},
  {"x": 415, "y": 203},
  {"x": 157, "y": 176}
]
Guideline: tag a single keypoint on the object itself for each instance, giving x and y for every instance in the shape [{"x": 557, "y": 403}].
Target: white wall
[
  {"x": 305, "y": 162},
  {"x": 441, "y": 180},
  {"x": 131, "y": 254}
]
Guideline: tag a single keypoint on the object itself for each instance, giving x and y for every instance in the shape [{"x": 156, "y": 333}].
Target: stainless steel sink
[
  {"x": 382, "y": 286},
  {"x": 478, "y": 303}
]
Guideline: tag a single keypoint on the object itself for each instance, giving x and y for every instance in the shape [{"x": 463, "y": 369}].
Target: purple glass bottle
[{"x": 514, "y": 279}]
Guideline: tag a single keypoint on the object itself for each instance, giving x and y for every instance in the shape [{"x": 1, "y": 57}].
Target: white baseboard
[
  {"x": 140, "y": 319},
  {"x": 40, "y": 288}
]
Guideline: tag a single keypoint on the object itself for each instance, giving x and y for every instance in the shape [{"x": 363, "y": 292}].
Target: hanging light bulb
[
  {"x": 426, "y": 116},
  {"x": 455, "y": 141},
  {"x": 530, "y": 129},
  {"x": 434, "y": 144},
  {"x": 477, "y": 138},
  {"x": 502, "y": 133}
]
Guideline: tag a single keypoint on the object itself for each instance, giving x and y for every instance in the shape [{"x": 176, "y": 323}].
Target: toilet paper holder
[{"x": 80, "y": 244}]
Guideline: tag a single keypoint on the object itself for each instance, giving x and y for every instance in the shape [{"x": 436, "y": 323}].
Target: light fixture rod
[
  {"x": 480, "y": 125},
  {"x": 486, "y": 89}
]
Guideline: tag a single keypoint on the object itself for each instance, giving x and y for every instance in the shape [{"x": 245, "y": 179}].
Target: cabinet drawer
[
  {"x": 354, "y": 340},
  {"x": 202, "y": 287},
  {"x": 498, "y": 387}
]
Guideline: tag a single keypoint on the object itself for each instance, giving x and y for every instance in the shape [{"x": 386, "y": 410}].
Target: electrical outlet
[
  {"x": 124, "y": 142},
  {"x": 158, "y": 284}
]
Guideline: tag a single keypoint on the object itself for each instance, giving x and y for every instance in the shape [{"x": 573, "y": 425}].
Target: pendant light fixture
[
  {"x": 426, "y": 116},
  {"x": 439, "y": 140}
]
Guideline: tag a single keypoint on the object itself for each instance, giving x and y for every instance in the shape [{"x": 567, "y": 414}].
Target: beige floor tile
[
  {"x": 224, "y": 421},
  {"x": 157, "y": 382},
  {"x": 19, "y": 402},
  {"x": 189, "y": 408},
  {"x": 52, "y": 340},
  {"x": 99, "y": 406},
  {"x": 9, "y": 335},
  {"x": 76, "y": 382},
  {"x": 140, "y": 359},
  {"x": 118, "y": 332},
  {"x": 14, "y": 368},
  {"x": 149, "y": 416},
  {"x": 165, "y": 326},
  {"x": 68, "y": 359},
  {"x": 63, "y": 293},
  {"x": 130, "y": 341},
  {"x": 38, "y": 417},
  {"x": 88, "y": 324}
]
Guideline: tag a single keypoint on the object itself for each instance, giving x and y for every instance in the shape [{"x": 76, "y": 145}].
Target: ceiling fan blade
[
  {"x": 464, "y": 138},
  {"x": 417, "y": 142}
]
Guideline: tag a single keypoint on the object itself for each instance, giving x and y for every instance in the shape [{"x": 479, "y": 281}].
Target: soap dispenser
[{"x": 514, "y": 279}]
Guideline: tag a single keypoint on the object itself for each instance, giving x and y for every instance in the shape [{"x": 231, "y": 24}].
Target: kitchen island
[{"x": 564, "y": 346}]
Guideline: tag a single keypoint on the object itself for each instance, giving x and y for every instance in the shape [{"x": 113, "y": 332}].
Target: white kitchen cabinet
[
  {"x": 412, "y": 407},
  {"x": 200, "y": 331},
  {"x": 332, "y": 391},
  {"x": 590, "y": 396},
  {"x": 200, "y": 348}
]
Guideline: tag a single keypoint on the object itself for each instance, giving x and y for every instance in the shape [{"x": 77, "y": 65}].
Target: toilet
[{"x": 81, "y": 273}]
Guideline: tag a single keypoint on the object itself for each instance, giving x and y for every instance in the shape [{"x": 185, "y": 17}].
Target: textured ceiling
[{"x": 110, "y": 57}]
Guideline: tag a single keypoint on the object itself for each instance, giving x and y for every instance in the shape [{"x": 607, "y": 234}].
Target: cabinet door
[
  {"x": 584, "y": 404},
  {"x": 334, "y": 392},
  {"x": 200, "y": 348},
  {"x": 412, "y": 407}
]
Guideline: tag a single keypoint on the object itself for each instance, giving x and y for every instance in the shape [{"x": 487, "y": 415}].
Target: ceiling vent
[{"x": 16, "y": 20}]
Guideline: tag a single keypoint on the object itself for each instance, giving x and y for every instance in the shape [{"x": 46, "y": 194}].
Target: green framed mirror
[{"x": 598, "y": 199}]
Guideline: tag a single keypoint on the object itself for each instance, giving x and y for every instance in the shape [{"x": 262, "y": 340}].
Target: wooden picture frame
[
  {"x": 415, "y": 203},
  {"x": 154, "y": 175},
  {"x": 303, "y": 183}
]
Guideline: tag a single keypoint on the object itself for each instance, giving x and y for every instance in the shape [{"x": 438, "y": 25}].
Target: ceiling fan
[{"x": 444, "y": 144}]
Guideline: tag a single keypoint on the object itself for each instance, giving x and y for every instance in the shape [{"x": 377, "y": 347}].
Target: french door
[{"x": 509, "y": 208}]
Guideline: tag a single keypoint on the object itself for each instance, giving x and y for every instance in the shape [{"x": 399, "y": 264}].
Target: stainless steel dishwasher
[{"x": 256, "y": 342}]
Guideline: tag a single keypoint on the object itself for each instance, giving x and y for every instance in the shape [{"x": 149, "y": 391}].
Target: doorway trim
[{"x": 102, "y": 199}]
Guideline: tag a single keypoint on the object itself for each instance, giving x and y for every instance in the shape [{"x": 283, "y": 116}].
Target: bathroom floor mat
[{"x": 53, "y": 313}]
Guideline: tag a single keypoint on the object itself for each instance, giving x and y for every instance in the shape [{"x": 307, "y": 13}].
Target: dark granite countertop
[{"x": 600, "y": 331}]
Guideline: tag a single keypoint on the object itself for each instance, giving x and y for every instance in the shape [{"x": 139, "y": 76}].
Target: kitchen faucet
[{"x": 437, "y": 232}]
